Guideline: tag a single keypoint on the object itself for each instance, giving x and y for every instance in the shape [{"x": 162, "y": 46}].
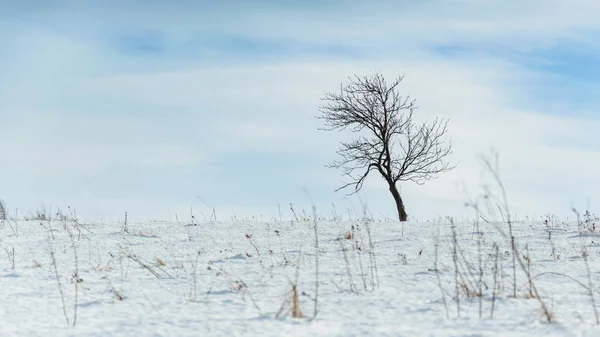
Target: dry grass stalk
[
  {"x": 296, "y": 302},
  {"x": 135, "y": 258},
  {"x": 502, "y": 204},
  {"x": 456, "y": 271},
  {"x": 3, "y": 211},
  {"x": 351, "y": 283},
  {"x": 194, "y": 291},
  {"x": 496, "y": 272},
  {"x": 60, "y": 289},
  {"x": 117, "y": 294},
  {"x": 296, "y": 310},
  {"x": 291, "y": 297},
  {"x": 75, "y": 279},
  {"x": 11, "y": 256},
  {"x": 591, "y": 287},
  {"x": 372, "y": 259},
  {"x": 291, "y": 304},
  {"x": 437, "y": 272}
]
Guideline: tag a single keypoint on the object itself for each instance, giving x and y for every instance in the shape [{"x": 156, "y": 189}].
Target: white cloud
[
  {"x": 55, "y": 85},
  {"x": 58, "y": 145}
]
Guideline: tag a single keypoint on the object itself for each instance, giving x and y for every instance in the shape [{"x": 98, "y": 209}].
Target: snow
[{"x": 244, "y": 272}]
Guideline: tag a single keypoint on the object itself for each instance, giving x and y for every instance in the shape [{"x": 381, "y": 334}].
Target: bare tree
[{"x": 389, "y": 140}]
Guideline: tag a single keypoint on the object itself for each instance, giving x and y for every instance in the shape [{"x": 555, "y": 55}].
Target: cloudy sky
[{"x": 150, "y": 106}]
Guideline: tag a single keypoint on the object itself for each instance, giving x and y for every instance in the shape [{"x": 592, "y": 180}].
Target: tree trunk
[{"x": 399, "y": 203}]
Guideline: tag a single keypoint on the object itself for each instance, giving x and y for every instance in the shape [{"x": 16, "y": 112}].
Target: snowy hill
[{"x": 240, "y": 278}]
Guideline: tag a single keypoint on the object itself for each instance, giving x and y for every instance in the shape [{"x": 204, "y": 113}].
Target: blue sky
[{"x": 144, "y": 106}]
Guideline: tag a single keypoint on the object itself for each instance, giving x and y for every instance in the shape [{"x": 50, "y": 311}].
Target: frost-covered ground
[{"x": 244, "y": 272}]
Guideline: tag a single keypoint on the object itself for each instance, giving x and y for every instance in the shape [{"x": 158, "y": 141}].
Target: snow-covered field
[{"x": 235, "y": 279}]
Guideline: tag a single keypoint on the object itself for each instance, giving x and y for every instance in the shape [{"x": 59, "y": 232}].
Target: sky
[{"x": 160, "y": 109}]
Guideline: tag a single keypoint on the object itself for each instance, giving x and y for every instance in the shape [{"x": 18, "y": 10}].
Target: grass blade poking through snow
[
  {"x": 57, "y": 275},
  {"x": 76, "y": 279},
  {"x": 437, "y": 271},
  {"x": 584, "y": 253},
  {"x": 314, "y": 209}
]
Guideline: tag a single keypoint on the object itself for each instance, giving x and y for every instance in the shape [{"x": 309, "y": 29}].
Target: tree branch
[{"x": 396, "y": 147}]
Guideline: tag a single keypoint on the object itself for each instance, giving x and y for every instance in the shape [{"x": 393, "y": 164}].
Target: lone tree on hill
[{"x": 389, "y": 141}]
